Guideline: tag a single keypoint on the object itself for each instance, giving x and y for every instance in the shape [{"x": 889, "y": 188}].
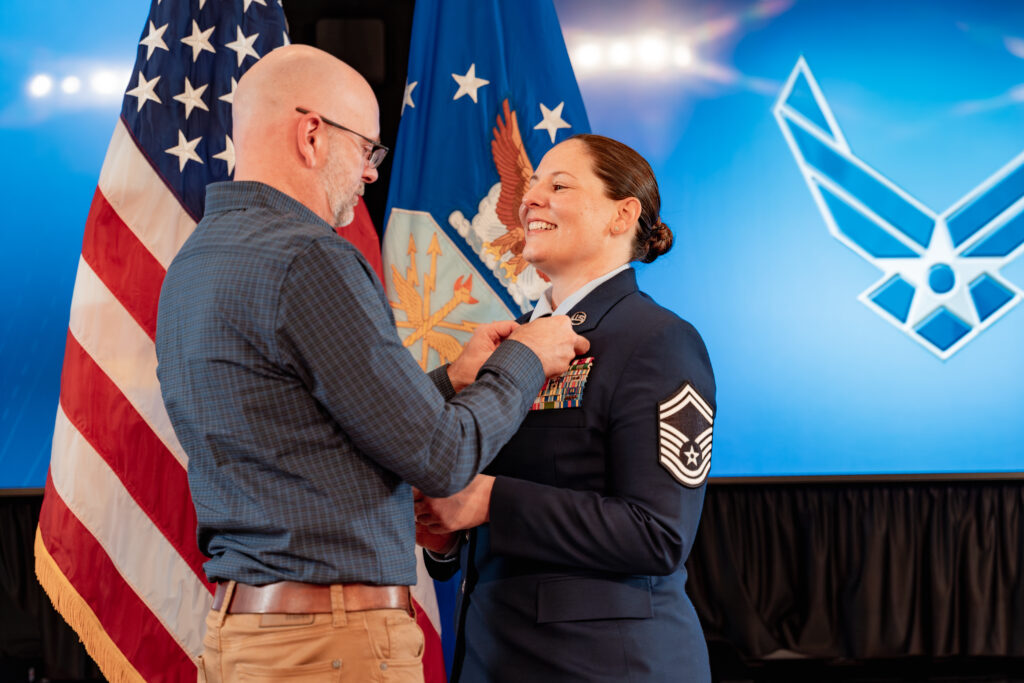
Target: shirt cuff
[
  {"x": 451, "y": 556},
  {"x": 520, "y": 363},
  {"x": 439, "y": 376}
]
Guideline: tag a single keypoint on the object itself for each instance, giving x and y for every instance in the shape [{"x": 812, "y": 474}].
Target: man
[{"x": 304, "y": 418}]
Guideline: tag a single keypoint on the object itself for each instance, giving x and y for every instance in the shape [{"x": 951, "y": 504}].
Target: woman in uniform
[{"x": 578, "y": 531}]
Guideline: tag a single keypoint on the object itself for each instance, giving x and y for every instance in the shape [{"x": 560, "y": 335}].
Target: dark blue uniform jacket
[{"x": 579, "y": 575}]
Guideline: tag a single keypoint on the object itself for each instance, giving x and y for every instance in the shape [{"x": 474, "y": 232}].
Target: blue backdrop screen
[{"x": 844, "y": 179}]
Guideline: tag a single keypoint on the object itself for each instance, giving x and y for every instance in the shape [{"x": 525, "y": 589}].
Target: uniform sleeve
[
  {"x": 335, "y": 332},
  {"x": 645, "y": 522},
  {"x": 442, "y": 568}
]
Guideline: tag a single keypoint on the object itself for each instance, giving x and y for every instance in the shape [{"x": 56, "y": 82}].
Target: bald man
[{"x": 304, "y": 418}]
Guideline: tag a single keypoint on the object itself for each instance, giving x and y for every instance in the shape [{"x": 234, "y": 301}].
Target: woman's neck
[{"x": 563, "y": 286}]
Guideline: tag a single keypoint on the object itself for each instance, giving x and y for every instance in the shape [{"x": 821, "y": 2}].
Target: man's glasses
[{"x": 377, "y": 151}]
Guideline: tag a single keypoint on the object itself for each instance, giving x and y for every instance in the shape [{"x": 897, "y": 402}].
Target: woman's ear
[{"x": 627, "y": 214}]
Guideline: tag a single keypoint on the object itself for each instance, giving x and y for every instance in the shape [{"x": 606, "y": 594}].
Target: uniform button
[
  {"x": 336, "y": 663},
  {"x": 383, "y": 666},
  {"x": 462, "y": 586}
]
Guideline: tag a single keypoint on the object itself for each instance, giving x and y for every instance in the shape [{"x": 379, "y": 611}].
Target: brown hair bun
[
  {"x": 624, "y": 173},
  {"x": 659, "y": 242}
]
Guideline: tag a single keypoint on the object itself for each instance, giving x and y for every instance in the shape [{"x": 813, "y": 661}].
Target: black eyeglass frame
[{"x": 377, "y": 153}]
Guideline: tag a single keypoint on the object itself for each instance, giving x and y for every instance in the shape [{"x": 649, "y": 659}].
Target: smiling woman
[
  {"x": 592, "y": 206},
  {"x": 574, "y": 231},
  {"x": 581, "y": 525}
]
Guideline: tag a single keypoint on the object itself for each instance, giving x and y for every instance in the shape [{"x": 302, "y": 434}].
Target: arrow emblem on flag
[{"x": 417, "y": 307}]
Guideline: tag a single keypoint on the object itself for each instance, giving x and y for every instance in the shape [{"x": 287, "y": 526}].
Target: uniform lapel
[
  {"x": 588, "y": 313},
  {"x": 597, "y": 303}
]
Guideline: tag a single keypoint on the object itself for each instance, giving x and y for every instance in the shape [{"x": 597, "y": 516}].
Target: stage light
[
  {"x": 682, "y": 55},
  {"x": 652, "y": 53},
  {"x": 620, "y": 54},
  {"x": 587, "y": 56},
  {"x": 71, "y": 85},
  {"x": 40, "y": 85},
  {"x": 105, "y": 82}
]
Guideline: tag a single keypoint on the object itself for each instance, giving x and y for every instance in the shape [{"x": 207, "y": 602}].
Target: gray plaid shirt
[{"x": 304, "y": 418}]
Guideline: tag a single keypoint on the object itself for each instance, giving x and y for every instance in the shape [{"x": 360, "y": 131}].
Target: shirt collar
[
  {"x": 544, "y": 303},
  {"x": 230, "y": 195}
]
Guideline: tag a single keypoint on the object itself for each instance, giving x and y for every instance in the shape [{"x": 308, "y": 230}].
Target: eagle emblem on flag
[
  {"x": 495, "y": 233},
  {"x": 515, "y": 170}
]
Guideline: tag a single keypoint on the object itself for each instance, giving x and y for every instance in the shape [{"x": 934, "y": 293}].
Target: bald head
[{"x": 275, "y": 144}]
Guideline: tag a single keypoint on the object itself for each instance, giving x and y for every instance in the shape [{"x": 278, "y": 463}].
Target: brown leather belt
[{"x": 292, "y": 597}]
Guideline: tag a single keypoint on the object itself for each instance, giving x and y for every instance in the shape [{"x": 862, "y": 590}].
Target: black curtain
[
  {"x": 33, "y": 636},
  {"x": 861, "y": 577},
  {"x": 862, "y": 571}
]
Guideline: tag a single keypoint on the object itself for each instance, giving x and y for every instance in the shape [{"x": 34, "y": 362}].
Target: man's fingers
[
  {"x": 553, "y": 341},
  {"x": 503, "y": 328},
  {"x": 581, "y": 345},
  {"x": 432, "y": 524}
]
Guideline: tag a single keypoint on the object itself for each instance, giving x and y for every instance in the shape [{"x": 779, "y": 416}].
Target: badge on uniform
[
  {"x": 685, "y": 421},
  {"x": 566, "y": 390}
]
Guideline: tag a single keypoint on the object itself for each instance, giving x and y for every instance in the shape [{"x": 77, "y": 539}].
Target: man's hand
[
  {"x": 554, "y": 342},
  {"x": 441, "y": 543},
  {"x": 477, "y": 350},
  {"x": 468, "y": 508}
]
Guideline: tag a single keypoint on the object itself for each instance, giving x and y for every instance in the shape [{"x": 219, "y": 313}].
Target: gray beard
[
  {"x": 343, "y": 201},
  {"x": 345, "y": 214}
]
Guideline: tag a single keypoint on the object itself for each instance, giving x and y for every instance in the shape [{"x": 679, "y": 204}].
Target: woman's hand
[
  {"x": 442, "y": 544},
  {"x": 468, "y": 508}
]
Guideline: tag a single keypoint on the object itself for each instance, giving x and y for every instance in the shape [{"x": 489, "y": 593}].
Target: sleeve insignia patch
[
  {"x": 685, "y": 422},
  {"x": 566, "y": 390}
]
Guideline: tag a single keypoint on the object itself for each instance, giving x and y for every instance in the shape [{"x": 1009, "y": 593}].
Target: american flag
[{"x": 116, "y": 545}]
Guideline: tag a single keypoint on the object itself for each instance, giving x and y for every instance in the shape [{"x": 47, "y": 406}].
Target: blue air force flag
[{"x": 490, "y": 90}]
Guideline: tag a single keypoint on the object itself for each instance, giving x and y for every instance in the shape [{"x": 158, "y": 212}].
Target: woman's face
[{"x": 572, "y": 227}]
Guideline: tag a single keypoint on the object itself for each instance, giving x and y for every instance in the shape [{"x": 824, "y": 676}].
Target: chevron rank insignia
[
  {"x": 685, "y": 421},
  {"x": 566, "y": 390}
]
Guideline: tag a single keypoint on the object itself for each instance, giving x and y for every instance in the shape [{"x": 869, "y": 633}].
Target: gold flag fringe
[{"x": 76, "y": 611}]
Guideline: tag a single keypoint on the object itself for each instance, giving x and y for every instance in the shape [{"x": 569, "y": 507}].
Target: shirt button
[
  {"x": 383, "y": 666},
  {"x": 462, "y": 586},
  {"x": 336, "y": 663}
]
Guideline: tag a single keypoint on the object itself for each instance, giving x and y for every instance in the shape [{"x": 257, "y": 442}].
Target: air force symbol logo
[
  {"x": 940, "y": 284},
  {"x": 685, "y": 421}
]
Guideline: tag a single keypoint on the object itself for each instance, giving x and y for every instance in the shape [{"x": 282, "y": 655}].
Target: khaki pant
[{"x": 383, "y": 646}]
